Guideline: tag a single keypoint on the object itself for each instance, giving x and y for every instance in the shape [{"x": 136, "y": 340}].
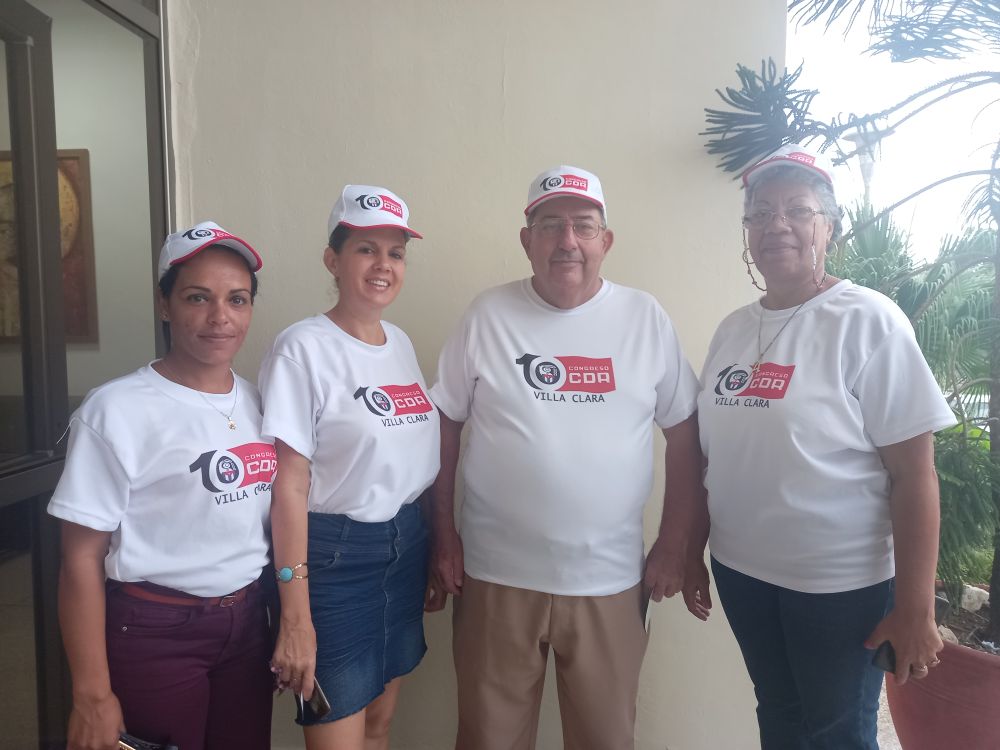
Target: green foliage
[
  {"x": 966, "y": 475},
  {"x": 877, "y": 254},
  {"x": 950, "y": 304}
]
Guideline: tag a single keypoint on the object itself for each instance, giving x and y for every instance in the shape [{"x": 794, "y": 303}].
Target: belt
[{"x": 138, "y": 591}]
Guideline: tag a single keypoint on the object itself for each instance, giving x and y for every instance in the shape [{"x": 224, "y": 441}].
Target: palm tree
[{"x": 955, "y": 302}]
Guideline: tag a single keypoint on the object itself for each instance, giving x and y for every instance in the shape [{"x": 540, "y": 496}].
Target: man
[{"x": 560, "y": 378}]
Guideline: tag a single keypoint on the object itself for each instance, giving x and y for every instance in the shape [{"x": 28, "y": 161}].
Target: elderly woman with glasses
[{"x": 817, "y": 414}]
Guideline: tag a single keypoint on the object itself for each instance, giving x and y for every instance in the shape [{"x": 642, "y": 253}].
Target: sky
[{"x": 954, "y": 137}]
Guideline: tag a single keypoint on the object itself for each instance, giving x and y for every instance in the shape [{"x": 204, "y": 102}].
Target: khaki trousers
[{"x": 502, "y": 637}]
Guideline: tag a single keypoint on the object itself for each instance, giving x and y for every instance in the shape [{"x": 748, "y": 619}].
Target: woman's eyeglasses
[{"x": 798, "y": 215}]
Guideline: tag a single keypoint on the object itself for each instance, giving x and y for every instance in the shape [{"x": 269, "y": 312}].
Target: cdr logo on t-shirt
[
  {"x": 393, "y": 402},
  {"x": 553, "y": 377},
  {"x": 768, "y": 382},
  {"x": 227, "y": 473}
]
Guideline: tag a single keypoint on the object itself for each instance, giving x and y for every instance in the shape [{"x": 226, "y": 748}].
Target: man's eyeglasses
[
  {"x": 798, "y": 215},
  {"x": 585, "y": 229}
]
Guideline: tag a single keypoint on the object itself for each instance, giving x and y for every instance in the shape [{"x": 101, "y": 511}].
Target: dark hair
[
  {"x": 819, "y": 186},
  {"x": 169, "y": 280},
  {"x": 338, "y": 237}
]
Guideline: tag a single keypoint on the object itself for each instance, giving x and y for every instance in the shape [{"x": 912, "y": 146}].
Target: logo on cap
[
  {"x": 383, "y": 202},
  {"x": 199, "y": 234},
  {"x": 571, "y": 181},
  {"x": 204, "y": 234},
  {"x": 803, "y": 158}
]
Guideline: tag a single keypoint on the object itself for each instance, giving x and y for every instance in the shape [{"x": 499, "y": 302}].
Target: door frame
[{"x": 32, "y": 477}]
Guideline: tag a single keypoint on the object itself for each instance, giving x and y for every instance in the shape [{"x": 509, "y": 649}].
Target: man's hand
[
  {"x": 664, "y": 574},
  {"x": 447, "y": 561}
]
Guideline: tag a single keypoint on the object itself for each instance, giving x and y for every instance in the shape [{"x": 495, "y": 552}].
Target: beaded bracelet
[{"x": 286, "y": 574}]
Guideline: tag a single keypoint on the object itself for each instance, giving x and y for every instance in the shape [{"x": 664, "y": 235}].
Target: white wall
[
  {"x": 456, "y": 105},
  {"x": 100, "y": 106}
]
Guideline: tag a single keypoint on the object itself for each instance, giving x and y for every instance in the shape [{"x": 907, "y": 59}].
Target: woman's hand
[
  {"x": 294, "y": 659},
  {"x": 915, "y": 640},
  {"x": 696, "y": 588},
  {"x": 915, "y": 511},
  {"x": 95, "y": 723}
]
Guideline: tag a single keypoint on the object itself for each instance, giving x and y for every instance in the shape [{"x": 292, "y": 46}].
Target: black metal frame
[{"x": 32, "y": 477}]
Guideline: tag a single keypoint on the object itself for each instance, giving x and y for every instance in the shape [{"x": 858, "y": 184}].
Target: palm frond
[{"x": 766, "y": 112}]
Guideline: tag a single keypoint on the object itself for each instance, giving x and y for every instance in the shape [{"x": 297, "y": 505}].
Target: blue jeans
[{"x": 816, "y": 687}]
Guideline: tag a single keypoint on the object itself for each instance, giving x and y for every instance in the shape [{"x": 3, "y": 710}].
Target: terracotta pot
[{"x": 956, "y": 706}]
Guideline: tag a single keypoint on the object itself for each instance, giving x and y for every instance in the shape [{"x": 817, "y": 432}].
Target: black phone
[
  {"x": 318, "y": 703},
  {"x": 885, "y": 655},
  {"x": 128, "y": 742}
]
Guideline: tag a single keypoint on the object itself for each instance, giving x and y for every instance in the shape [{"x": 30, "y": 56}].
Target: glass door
[
  {"x": 82, "y": 213},
  {"x": 33, "y": 396}
]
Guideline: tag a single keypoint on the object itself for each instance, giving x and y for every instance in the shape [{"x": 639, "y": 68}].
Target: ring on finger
[
  {"x": 934, "y": 663},
  {"x": 918, "y": 668}
]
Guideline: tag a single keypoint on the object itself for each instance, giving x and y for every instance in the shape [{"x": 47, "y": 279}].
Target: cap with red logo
[
  {"x": 183, "y": 245},
  {"x": 562, "y": 181},
  {"x": 370, "y": 207},
  {"x": 794, "y": 155}
]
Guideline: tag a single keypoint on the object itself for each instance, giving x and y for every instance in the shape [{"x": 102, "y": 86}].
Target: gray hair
[{"x": 820, "y": 187}]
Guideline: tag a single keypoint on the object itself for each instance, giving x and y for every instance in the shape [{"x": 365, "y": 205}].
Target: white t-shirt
[
  {"x": 185, "y": 498},
  {"x": 797, "y": 492},
  {"x": 359, "y": 413},
  {"x": 560, "y": 406}
]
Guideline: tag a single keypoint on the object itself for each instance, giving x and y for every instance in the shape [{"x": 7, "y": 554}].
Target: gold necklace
[
  {"x": 760, "y": 328},
  {"x": 236, "y": 395}
]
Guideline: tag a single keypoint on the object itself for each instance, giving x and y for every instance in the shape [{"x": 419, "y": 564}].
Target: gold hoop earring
[{"x": 748, "y": 262}]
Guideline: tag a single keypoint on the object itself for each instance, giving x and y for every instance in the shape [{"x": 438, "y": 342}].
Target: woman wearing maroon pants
[{"x": 164, "y": 499}]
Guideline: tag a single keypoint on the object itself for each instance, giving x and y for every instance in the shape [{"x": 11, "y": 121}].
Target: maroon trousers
[{"x": 194, "y": 676}]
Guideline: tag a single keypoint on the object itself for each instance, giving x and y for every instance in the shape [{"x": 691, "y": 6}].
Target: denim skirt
[{"x": 366, "y": 593}]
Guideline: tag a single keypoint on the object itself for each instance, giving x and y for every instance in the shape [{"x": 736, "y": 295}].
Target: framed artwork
[{"x": 76, "y": 246}]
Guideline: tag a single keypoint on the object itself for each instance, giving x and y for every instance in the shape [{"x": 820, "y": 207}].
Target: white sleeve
[
  {"x": 898, "y": 394},
  {"x": 677, "y": 391},
  {"x": 290, "y": 403},
  {"x": 94, "y": 488},
  {"x": 456, "y": 384}
]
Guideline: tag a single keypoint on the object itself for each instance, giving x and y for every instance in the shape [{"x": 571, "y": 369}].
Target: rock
[
  {"x": 947, "y": 635},
  {"x": 974, "y": 598}
]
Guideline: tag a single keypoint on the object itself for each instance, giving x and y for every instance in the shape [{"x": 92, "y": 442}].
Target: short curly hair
[{"x": 820, "y": 187}]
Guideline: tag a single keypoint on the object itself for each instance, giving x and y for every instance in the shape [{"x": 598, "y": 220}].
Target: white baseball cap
[
  {"x": 794, "y": 155},
  {"x": 185, "y": 244},
  {"x": 565, "y": 180},
  {"x": 370, "y": 207}
]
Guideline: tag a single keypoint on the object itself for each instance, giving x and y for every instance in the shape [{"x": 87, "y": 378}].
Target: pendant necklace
[
  {"x": 760, "y": 326},
  {"x": 236, "y": 395}
]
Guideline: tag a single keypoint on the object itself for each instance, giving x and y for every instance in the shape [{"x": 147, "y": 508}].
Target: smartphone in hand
[
  {"x": 885, "y": 655},
  {"x": 318, "y": 704}
]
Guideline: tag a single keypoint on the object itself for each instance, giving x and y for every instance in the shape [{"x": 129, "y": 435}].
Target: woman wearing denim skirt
[{"x": 347, "y": 407}]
